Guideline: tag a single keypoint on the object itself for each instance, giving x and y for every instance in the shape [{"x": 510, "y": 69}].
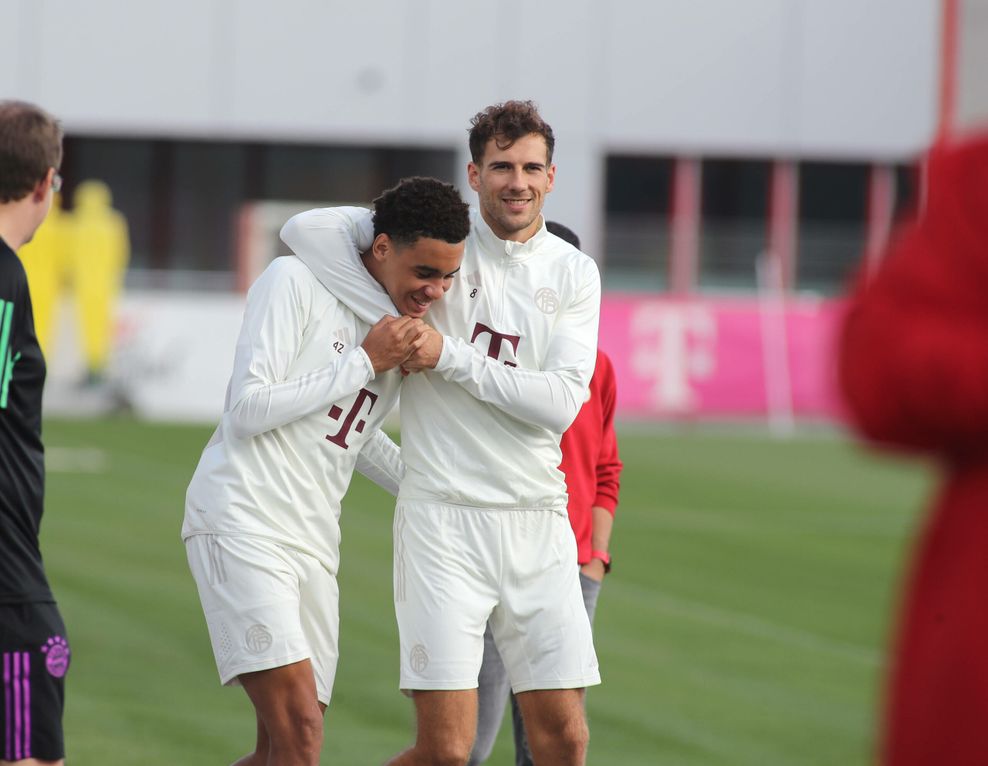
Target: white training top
[
  {"x": 520, "y": 342},
  {"x": 302, "y": 403}
]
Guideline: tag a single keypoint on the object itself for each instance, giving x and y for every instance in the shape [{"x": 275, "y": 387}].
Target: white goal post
[{"x": 257, "y": 235}]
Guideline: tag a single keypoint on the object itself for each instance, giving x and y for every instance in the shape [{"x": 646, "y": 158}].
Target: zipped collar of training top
[{"x": 514, "y": 252}]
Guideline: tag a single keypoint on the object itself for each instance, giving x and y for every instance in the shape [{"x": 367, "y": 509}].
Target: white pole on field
[{"x": 775, "y": 345}]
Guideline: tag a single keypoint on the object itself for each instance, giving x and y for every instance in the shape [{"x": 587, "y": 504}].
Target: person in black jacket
[{"x": 34, "y": 649}]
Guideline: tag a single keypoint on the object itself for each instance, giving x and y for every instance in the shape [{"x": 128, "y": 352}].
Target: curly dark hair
[
  {"x": 30, "y": 144},
  {"x": 506, "y": 123},
  {"x": 422, "y": 207}
]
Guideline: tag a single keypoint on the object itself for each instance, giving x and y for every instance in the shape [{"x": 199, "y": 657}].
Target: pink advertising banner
[{"x": 722, "y": 358}]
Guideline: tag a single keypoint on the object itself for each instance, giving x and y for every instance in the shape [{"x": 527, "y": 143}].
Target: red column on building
[
  {"x": 783, "y": 220},
  {"x": 684, "y": 252},
  {"x": 948, "y": 70}
]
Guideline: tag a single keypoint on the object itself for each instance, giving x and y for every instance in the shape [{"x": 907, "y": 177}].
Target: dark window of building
[
  {"x": 209, "y": 183},
  {"x": 126, "y": 167},
  {"x": 182, "y": 199},
  {"x": 907, "y": 186},
  {"x": 833, "y": 202},
  {"x": 733, "y": 232},
  {"x": 636, "y": 230}
]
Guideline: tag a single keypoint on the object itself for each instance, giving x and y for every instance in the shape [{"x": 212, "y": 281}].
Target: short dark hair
[
  {"x": 422, "y": 207},
  {"x": 30, "y": 144},
  {"x": 563, "y": 232},
  {"x": 506, "y": 123}
]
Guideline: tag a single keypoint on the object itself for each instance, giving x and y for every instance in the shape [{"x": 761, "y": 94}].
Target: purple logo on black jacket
[{"x": 56, "y": 651}]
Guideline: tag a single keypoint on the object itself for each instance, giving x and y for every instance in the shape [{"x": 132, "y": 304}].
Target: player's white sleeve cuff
[
  {"x": 362, "y": 355},
  {"x": 380, "y": 461},
  {"x": 547, "y": 399},
  {"x": 448, "y": 356}
]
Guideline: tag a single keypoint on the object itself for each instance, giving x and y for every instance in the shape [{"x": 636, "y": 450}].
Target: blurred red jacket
[
  {"x": 913, "y": 365},
  {"x": 590, "y": 456}
]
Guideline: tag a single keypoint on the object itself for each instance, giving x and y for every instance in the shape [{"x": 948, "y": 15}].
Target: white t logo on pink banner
[
  {"x": 674, "y": 345},
  {"x": 707, "y": 357}
]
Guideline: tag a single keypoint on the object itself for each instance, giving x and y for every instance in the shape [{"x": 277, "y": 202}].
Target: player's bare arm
[
  {"x": 600, "y": 540},
  {"x": 391, "y": 341}
]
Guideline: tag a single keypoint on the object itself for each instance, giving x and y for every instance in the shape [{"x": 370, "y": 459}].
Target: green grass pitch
[{"x": 744, "y": 622}]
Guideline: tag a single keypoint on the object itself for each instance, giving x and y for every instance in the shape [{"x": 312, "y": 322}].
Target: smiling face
[
  {"x": 417, "y": 274},
  {"x": 511, "y": 184}
]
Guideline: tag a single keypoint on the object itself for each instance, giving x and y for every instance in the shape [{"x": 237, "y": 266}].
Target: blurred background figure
[
  {"x": 46, "y": 261},
  {"x": 100, "y": 251},
  {"x": 83, "y": 253},
  {"x": 914, "y": 371}
]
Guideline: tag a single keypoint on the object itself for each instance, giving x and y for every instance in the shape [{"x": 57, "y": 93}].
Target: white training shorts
[
  {"x": 456, "y": 567},
  {"x": 266, "y": 605}
]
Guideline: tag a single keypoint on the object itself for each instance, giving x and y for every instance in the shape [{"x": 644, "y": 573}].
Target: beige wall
[
  {"x": 842, "y": 79},
  {"x": 972, "y": 91}
]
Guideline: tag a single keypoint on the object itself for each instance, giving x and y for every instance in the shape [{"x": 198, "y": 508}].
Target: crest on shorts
[
  {"x": 418, "y": 658},
  {"x": 547, "y": 300},
  {"x": 56, "y": 651},
  {"x": 258, "y": 639}
]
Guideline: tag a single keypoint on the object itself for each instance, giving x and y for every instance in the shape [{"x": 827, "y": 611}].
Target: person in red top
[
  {"x": 913, "y": 364},
  {"x": 593, "y": 479},
  {"x": 593, "y": 471}
]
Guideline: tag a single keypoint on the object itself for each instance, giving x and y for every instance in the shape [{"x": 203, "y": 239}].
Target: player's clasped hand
[
  {"x": 425, "y": 354},
  {"x": 392, "y": 341}
]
